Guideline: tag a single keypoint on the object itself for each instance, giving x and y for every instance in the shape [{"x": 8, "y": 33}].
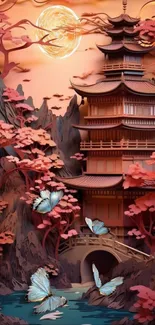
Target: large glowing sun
[{"x": 55, "y": 19}]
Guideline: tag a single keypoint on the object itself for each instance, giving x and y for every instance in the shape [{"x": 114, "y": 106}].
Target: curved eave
[
  {"x": 123, "y": 19},
  {"x": 144, "y": 88},
  {"x": 115, "y": 126},
  {"x": 128, "y": 47},
  {"x": 120, "y": 32},
  {"x": 92, "y": 182},
  {"x": 99, "y": 88},
  {"x": 141, "y": 87}
]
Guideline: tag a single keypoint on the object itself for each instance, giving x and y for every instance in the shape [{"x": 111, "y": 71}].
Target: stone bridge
[{"x": 104, "y": 252}]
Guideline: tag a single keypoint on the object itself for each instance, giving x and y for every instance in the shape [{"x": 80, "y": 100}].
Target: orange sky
[{"x": 49, "y": 76}]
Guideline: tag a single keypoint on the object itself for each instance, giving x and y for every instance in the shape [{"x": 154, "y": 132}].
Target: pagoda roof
[
  {"x": 123, "y": 19},
  {"x": 92, "y": 182},
  {"x": 144, "y": 87},
  {"x": 121, "y": 31},
  {"x": 127, "y": 46},
  {"x": 115, "y": 126}
]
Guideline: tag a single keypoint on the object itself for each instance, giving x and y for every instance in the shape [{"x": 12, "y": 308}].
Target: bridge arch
[
  {"x": 82, "y": 251},
  {"x": 104, "y": 258}
]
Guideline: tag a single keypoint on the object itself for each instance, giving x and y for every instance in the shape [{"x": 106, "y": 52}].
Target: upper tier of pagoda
[
  {"x": 123, "y": 20},
  {"x": 122, "y": 30},
  {"x": 123, "y": 69}
]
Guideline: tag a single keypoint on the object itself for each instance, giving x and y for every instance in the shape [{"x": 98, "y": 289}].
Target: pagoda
[{"x": 119, "y": 124}]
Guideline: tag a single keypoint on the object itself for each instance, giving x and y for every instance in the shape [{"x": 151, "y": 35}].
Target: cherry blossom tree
[
  {"x": 36, "y": 160},
  {"x": 79, "y": 157},
  {"x": 142, "y": 212},
  {"x": 16, "y": 43}
]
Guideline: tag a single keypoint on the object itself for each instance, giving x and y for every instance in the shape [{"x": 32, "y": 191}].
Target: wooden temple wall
[
  {"x": 115, "y": 165},
  {"x": 118, "y": 106},
  {"x": 109, "y": 206},
  {"x": 107, "y": 135},
  {"x": 106, "y": 209}
]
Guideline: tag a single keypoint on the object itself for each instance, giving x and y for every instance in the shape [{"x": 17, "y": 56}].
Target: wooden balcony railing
[
  {"x": 119, "y": 66},
  {"x": 101, "y": 241},
  {"x": 118, "y": 145}
]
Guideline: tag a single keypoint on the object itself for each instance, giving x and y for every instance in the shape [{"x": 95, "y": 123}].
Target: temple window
[
  {"x": 138, "y": 109},
  {"x": 130, "y": 58},
  {"x": 129, "y": 109},
  {"x": 152, "y": 110}
]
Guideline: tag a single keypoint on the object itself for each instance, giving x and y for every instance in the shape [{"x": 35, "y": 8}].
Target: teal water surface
[{"x": 78, "y": 311}]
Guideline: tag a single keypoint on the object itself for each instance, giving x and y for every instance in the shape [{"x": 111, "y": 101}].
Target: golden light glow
[
  {"x": 56, "y": 19},
  {"x": 147, "y": 10}
]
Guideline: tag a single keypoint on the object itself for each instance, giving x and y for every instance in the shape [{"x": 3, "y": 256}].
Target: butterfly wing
[
  {"x": 36, "y": 202},
  {"x": 98, "y": 228},
  {"x": 45, "y": 194},
  {"x": 40, "y": 286},
  {"x": 89, "y": 223},
  {"x": 50, "y": 304},
  {"x": 107, "y": 289},
  {"x": 98, "y": 223},
  {"x": 101, "y": 231},
  {"x": 96, "y": 276},
  {"x": 111, "y": 286},
  {"x": 42, "y": 205},
  {"x": 55, "y": 197},
  {"x": 117, "y": 281}
]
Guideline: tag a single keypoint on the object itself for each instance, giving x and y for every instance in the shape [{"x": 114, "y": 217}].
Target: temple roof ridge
[
  {"x": 130, "y": 46},
  {"x": 93, "y": 182},
  {"x": 118, "y": 125},
  {"x": 123, "y": 19},
  {"x": 121, "y": 30}
]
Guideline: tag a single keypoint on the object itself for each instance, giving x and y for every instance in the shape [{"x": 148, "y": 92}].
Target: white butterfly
[
  {"x": 97, "y": 226},
  {"x": 47, "y": 201},
  {"x": 108, "y": 288},
  {"x": 40, "y": 290}
]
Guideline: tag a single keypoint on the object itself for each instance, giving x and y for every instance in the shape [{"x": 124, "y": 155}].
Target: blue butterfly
[
  {"x": 47, "y": 201},
  {"x": 40, "y": 290},
  {"x": 97, "y": 227},
  {"x": 108, "y": 288}
]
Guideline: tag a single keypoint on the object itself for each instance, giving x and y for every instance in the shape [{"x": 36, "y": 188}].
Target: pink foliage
[
  {"x": 145, "y": 304},
  {"x": 136, "y": 233},
  {"x": 26, "y": 107},
  {"x": 12, "y": 95},
  {"x": 135, "y": 176},
  {"x": 78, "y": 156},
  {"x": 70, "y": 233},
  {"x": 7, "y": 134},
  {"x": 41, "y": 226},
  {"x": 30, "y": 146},
  {"x": 146, "y": 29},
  {"x": 143, "y": 206}
]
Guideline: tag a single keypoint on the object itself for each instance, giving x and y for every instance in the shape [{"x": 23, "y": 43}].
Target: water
[{"x": 77, "y": 313}]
